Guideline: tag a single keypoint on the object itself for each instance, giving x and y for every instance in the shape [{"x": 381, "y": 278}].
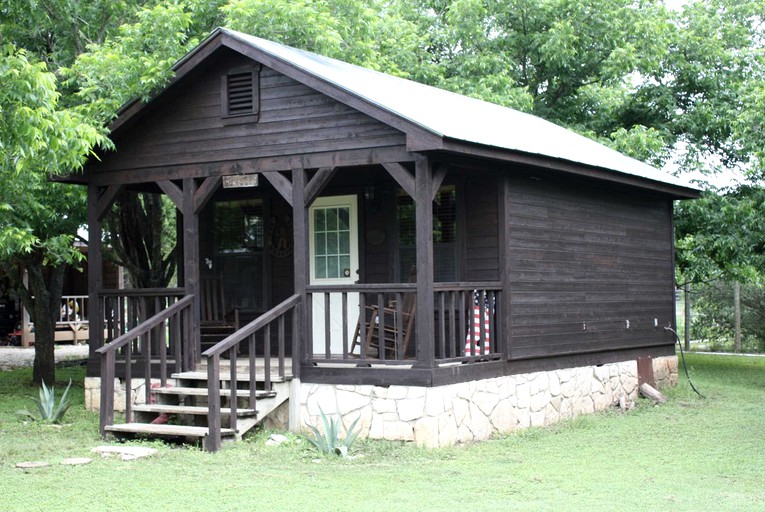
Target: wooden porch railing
[
  {"x": 259, "y": 330},
  {"x": 171, "y": 325},
  {"x": 125, "y": 308},
  {"x": 465, "y": 319}
]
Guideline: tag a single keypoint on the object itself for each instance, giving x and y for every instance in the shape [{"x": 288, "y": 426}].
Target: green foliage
[
  {"x": 370, "y": 33},
  {"x": 721, "y": 235},
  {"x": 134, "y": 63},
  {"x": 36, "y": 134},
  {"x": 327, "y": 440},
  {"x": 46, "y": 404},
  {"x": 713, "y": 316}
]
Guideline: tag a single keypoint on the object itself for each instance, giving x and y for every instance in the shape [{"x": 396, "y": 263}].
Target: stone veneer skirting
[{"x": 476, "y": 410}]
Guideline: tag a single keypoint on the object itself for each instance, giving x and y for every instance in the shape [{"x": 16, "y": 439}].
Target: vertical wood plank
[
  {"x": 213, "y": 440},
  {"x": 442, "y": 324},
  {"x": 345, "y": 324},
  {"x": 253, "y": 370},
  {"x": 400, "y": 322},
  {"x": 234, "y": 385},
  {"x": 267, "y": 357},
  {"x": 424, "y": 236},
  {"x": 107, "y": 392},
  {"x": 381, "y": 346},
  {"x": 327, "y": 325},
  {"x": 295, "y": 340},
  {"x": 363, "y": 325},
  {"x": 281, "y": 345}
]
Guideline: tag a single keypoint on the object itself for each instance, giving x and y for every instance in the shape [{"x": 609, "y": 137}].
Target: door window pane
[{"x": 332, "y": 241}]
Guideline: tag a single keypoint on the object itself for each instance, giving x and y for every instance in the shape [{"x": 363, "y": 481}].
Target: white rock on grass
[
  {"x": 76, "y": 461},
  {"x": 125, "y": 452},
  {"x": 32, "y": 465}
]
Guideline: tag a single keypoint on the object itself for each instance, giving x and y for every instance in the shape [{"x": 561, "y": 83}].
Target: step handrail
[
  {"x": 230, "y": 344},
  {"x": 108, "y": 360}
]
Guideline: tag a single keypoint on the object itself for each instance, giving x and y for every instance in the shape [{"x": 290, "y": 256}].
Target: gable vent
[{"x": 240, "y": 91}]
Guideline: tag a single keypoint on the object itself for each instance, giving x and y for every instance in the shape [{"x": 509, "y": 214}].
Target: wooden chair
[
  {"x": 394, "y": 320},
  {"x": 216, "y": 321}
]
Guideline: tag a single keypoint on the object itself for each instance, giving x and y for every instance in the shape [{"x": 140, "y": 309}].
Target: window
[
  {"x": 239, "y": 226},
  {"x": 445, "y": 245},
  {"x": 240, "y": 90}
]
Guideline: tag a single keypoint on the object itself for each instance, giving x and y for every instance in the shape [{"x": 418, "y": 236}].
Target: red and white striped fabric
[{"x": 474, "y": 338}]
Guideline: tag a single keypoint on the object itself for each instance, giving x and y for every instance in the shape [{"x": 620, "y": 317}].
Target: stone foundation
[
  {"x": 474, "y": 411},
  {"x": 93, "y": 392},
  {"x": 665, "y": 371}
]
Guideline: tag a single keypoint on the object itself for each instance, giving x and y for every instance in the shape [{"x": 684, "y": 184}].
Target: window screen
[{"x": 444, "y": 234}]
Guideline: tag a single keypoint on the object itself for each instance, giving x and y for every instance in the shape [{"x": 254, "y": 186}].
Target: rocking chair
[
  {"x": 394, "y": 321},
  {"x": 216, "y": 321}
]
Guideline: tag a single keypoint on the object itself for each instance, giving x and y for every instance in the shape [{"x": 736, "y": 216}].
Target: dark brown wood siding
[
  {"x": 591, "y": 269},
  {"x": 187, "y": 125}
]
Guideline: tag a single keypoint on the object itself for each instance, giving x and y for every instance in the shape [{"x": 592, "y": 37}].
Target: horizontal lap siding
[
  {"x": 584, "y": 262},
  {"x": 186, "y": 127}
]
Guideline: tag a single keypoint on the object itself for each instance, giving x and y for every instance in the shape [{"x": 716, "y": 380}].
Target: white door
[{"x": 334, "y": 252}]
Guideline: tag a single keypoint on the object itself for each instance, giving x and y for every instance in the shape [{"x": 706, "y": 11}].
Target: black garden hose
[{"x": 682, "y": 356}]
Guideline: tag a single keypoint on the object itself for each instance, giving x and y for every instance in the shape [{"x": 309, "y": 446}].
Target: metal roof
[{"x": 458, "y": 117}]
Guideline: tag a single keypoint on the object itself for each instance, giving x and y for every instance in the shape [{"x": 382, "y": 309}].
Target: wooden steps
[
  {"x": 185, "y": 405},
  {"x": 186, "y": 432},
  {"x": 187, "y": 391},
  {"x": 241, "y": 376},
  {"x": 189, "y": 410}
]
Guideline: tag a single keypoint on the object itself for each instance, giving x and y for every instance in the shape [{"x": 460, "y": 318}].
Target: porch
[{"x": 150, "y": 357}]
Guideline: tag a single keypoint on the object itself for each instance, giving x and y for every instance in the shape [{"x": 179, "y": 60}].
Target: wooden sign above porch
[{"x": 240, "y": 181}]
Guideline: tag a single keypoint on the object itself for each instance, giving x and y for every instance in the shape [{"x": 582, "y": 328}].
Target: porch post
[
  {"x": 505, "y": 324},
  {"x": 301, "y": 259},
  {"x": 192, "y": 348},
  {"x": 95, "y": 277},
  {"x": 424, "y": 232}
]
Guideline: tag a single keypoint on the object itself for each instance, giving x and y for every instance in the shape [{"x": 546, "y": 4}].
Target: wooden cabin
[{"x": 437, "y": 265}]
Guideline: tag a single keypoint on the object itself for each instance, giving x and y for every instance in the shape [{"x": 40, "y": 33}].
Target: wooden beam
[
  {"x": 438, "y": 178},
  {"x": 505, "y": 265},
  {"x": 426, "y": 356},
  {"x": 301, "y": 259},
  {"x": 191, "y": 352},
  {"x": 318, "y": 182},
  {"x": 281, "y": 163},
  {"x": 205, "y": 192},
  {"x": 402, "y": 177},
  {"x": 105, "y": 201},
  {"x": 173, "y": 192},
  {"x": 95, "y": 269},
  {"x": 281, "y": 184}
]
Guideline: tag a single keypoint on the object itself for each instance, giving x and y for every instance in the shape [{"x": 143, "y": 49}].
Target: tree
[{"x": 38, "y": 219}]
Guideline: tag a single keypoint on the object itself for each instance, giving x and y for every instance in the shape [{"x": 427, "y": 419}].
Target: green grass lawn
[{"x": 688, "y": 454}]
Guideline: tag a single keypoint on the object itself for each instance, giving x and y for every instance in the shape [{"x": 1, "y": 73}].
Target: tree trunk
[
  {"x": 737, "y": 313},
  {"x": 44, "y": 301},
  {"x": 687, "y": 304}
]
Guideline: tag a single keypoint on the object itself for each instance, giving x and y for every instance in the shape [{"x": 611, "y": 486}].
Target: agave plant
[
  {"x": 329, "y": 441},
  {"x": 46, "y": 404}
]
